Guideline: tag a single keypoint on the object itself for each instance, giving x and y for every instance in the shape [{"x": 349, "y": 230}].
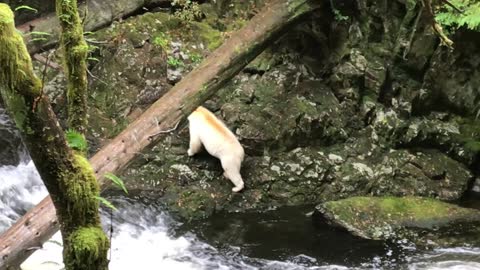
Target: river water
[{"x": 147, "y": 237}]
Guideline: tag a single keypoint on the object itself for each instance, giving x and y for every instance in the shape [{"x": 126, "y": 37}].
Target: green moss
[
  {"x": 16, "y": 76},
  {"x": 473, "y": 146},
  {"x": 90, "y": 239},
  {"x": 88, "y": 245},
  {"x": 469, "y": 128},
  {"x": 298, "y": 7},
  {"x": 207, "y": 34},
  {"x": 193, "y": 204},
  {"x": 6, "y": 14},
  {"x": 469, "y": 134},
  {"x": 81, "y": 187},
  {"x": 372, "y": 216},
  {"x": 75, "y": 51}
]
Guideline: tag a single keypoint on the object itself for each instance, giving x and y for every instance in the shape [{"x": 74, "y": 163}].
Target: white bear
[{"x": 219, "y": 141}]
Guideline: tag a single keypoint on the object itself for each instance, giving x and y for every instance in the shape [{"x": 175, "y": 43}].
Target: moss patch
[
  {"x": 381, "y": 217},
  {"x": 88, "y": 244}
]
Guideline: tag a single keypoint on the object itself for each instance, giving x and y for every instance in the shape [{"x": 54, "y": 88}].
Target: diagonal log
[{"x": 269, "y": 24}]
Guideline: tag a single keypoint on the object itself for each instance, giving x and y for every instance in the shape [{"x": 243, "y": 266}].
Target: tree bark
[
  {"x": 75, "y": 51},
  {"x": 69, "y": 178},
  {"x": 183, "y": 98},
  {"x": 99, "y": 14}
]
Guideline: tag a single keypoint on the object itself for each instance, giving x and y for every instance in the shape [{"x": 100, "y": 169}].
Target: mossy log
[
  {"x": 270, "y": 23},
  {"x": 75, "y": 51},
  {"x": 69, "y": 178},
  {"x": 99, "y": 13}
]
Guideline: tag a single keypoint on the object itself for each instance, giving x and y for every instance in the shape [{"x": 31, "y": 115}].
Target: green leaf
[
  {"x": 106, "y": 202},
  {"x": 93, "y": 59},
  {"x": 27, "y": 8},
  {"x": 76, "y": 140},
  {"x": 469, "y": 18},
  {"x": 38, "y": 33},
  {"x": 37, "y": 39},
  {"x": 116, "y": 180}
]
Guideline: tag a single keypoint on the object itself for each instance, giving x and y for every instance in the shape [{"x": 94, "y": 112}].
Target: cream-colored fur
[{"x": 207, "y": 130}]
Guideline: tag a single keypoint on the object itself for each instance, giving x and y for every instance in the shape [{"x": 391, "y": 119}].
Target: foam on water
[{"x": 20, "y": 189}]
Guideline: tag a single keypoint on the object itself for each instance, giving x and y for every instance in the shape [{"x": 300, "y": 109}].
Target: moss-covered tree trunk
[
  {"x": 69, "y": 178},
  {"x": 75, "y": 51}
]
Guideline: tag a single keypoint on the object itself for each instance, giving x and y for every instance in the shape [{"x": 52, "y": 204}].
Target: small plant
[
  {"x": 106, "y": 202},
  {"x": 196, "y": 58},
  {"x": 189, "y": 10},
  {"x": 119, "y": 183},
  {"x": 174, "y": 62},
  {"x": 337, "y": 14},
  {"x": 116, "y": 180},
  {"x": 76, "y": 140},
  {"x": 465, "y": 14},
  {"x": 161, "y": 40}
]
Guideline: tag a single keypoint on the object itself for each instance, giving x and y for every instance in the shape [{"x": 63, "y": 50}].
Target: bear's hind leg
[
  {"x": 232, "y": 172},
  {"x": 195, "y": 143}
]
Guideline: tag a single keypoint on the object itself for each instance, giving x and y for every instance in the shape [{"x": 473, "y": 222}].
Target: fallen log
[
  {"x": 200, "y": 84},
  {"x": 44, "y": 32}
]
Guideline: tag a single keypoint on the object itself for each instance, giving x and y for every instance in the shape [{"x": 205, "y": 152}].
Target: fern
[
  {"x": 106, "y": 202},
  {"x": 116, "y": 180},
  {"x": 469, "y": 18},
  {"x": 26, "y": 8},
  {"x": 76, "y": 140}
]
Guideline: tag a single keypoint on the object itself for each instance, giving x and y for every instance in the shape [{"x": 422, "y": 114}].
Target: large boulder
[{"x": 391, "y": 217}]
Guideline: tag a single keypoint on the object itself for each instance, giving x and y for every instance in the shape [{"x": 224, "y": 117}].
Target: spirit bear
[{"x": 219, "y": 141}]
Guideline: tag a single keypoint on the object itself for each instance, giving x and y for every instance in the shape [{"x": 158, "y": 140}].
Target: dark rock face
[
  {"x": 23, "y": 15},
  {"x": 12, "y": 150},
  {"x": 332, "y": 110}
]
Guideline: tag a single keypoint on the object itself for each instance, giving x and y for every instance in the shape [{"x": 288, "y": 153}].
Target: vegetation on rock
[{"x": 384, "y": 217}]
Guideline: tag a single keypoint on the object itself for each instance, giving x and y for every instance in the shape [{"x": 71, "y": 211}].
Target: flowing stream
[{"x": 147, "y": 237}]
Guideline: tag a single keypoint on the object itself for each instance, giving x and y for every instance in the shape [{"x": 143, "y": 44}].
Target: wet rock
[
  {"x": 385, "y": 217},
  {"x": 12, "y": 150},
  {"x": 174, "y": 75},
  {"x": 426, "y": 173},
  {"x": 269, "y": 113},
  {"x": 23, "y": 15},
  {"x": 453, "y": 79}
]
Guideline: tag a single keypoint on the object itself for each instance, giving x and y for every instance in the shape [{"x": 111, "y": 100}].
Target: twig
[
  {"x": 37, "y": 99},
  {"x": 448, "y": 3},
  {"x": 89, "y": 40},
  {"x": 412, "y": 35},
  {"x": 164, "y": 131},
  {"x": 45, "y": 61},
  {"x": 95, "y": 77},
  {"x": 84, "y": 19},
  {"x": 111, "y": 232},
  {"x": 431, "y": 16}
]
